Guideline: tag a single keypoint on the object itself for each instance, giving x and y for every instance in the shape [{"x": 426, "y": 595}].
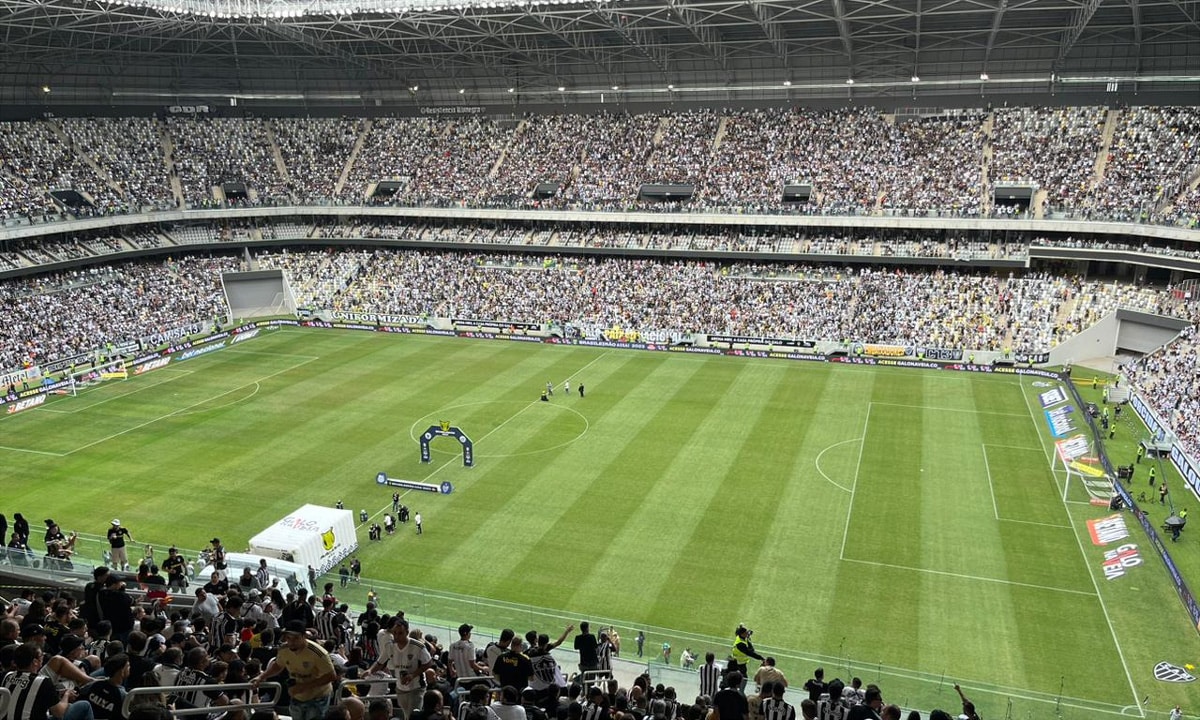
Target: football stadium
[{"x": 831, "y": 359}]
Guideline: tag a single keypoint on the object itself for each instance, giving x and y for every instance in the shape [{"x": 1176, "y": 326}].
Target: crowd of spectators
[
  {"x": 545, "y": 149},
  {"x": 1170, "y": 381},
  {"x": 1029, "y": 314},
  {"x": 242, "y": 649},
  {"x": 62, "y": 315},
  {"x": 1152, "y": 156},
  {"x": 315, "y": 152},
  {"x": 1055, "y": 148},
  {"x": 393, "y": 150},
  {"x": 855, "y": 160},
  {"x": 130, "y": 152},
  {"x": 55, "y": 316},
  {"x": 210, "y": 152},
  {"x": 39, "y": 159}
]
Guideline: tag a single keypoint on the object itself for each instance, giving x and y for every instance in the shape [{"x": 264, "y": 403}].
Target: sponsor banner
[
  {"x": 45, "y": 387},
  {"x": 888, "y": 362},
  {"x": 246, "y": 335},
  {"x": 876, "y": 350},
  {"x": 166, "y": 337},
  {"x": 1148, "y": 416},
  {"x": 16, "y": 377},
  {"x": 1186, "y": 467},
  {"x": 1050, "y": 398},
  {"x": 452, "y": 110},
  {"x": 379, "y": 318},
  {"x": 753, "y": 340},
  {"x": 1118, "y": 561},
  {"x": 797, "y": 356},
  {"x": 497, "y": 324},
  {"x": 65, "y": 363},
  {"x": 486, "y": 335},
  {"x": 1107, "y": 530},
  {"x": 1059, "y": 420},
  {"x": 127, "y": 347},
  {"x": 26, "y": 404},
  {"x": 1089, "y": 470},
  {"x": 1034, "y": 359},
  {"x": 188, "y": 109},
  {"x": 443, "y": 488},
  {"x": 1073, "y": 447},
  {"x": 202, "y": 350},
  {"x": 943, "y": 354}
]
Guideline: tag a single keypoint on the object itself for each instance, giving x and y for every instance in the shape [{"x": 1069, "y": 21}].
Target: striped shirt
[
  {"x": 196, "y": 697},
  {"x": 226, "y": 625},
  {"x": 328, "y": 625},
  {"x": 594, "y": 711},
  {"x": 604, "y": 652},
  {"x": 710, "y": 679},
  {"x": 777, "y": 709},
  {"x": 32, "y": 696}
]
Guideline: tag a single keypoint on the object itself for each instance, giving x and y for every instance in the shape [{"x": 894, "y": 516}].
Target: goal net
[{"x": 1081, "y": 467}]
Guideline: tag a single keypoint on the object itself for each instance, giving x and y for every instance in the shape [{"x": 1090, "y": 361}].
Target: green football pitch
[{"x": 904, "y": 526}]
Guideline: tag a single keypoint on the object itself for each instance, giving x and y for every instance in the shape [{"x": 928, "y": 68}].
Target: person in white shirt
[
  {"x": 462, "y": 655},
  {"x": 407, "y": 660},
  {"x": 508, "y": 707},
  {"x": 206, "y": 606}
]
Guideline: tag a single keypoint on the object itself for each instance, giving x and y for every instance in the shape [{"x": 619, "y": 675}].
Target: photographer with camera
[{"x": 743, "y": 650}]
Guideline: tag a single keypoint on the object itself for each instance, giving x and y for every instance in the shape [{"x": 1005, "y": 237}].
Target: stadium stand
[{"x": 1128, "y": 164}]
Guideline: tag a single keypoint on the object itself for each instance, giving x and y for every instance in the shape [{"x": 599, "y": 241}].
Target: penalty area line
[
  {"x": 184, "y": 410},
  {"x": 963, "y": 576},
  {"x": 31, "y": 451}
]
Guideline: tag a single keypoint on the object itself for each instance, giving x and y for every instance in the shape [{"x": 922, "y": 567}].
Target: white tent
[{"x": 313, "y": 536}]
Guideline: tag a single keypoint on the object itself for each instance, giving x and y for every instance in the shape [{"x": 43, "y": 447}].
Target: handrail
[
  {"x": 275, "y": 687},
  {"x": 385, "y": 680}
]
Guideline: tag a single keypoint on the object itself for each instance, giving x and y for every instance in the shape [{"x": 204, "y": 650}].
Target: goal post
[{"x": 1074, "y": 456}]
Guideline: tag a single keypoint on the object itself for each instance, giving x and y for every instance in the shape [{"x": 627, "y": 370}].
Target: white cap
[{"x": 116, "y": 521}]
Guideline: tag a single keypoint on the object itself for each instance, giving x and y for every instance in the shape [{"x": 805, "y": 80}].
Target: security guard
[{"x": 743, "y": 650}]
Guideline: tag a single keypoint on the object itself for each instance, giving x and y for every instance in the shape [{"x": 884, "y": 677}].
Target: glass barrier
[{"x": 661, "y": 656}]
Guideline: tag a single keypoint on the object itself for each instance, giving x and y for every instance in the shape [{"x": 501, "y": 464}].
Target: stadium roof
[{"x": 437, "y": 51}]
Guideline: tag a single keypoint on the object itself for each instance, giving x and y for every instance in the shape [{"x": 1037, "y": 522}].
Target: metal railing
[{"x": 275, "y": 688}]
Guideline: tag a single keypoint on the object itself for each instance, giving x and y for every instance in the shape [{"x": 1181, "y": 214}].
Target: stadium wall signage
[
  {"x": 1185, "y": 465},
  {"x": 495, "y": 325},
  {"x": 166, "y": 336},
  {"x": 57, "y": 365},
  {"x": 19, "y": 376},
  {"x": 453, "y": 110},
  {"x": 379, "y": 318},
  {"x": 189, "y": 109},
  {"x": 751, "y": 340}
]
